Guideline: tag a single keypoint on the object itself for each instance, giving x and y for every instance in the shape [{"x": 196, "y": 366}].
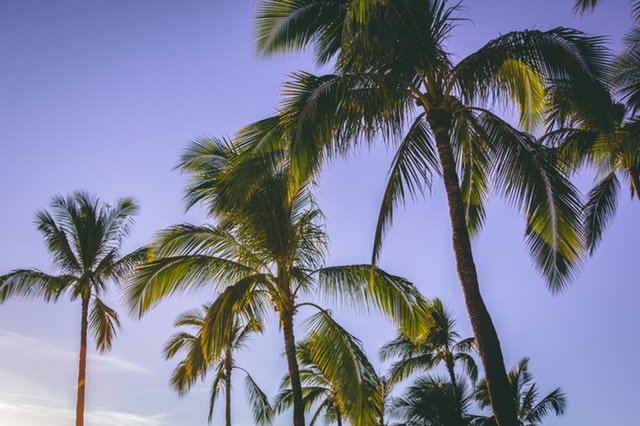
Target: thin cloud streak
[{"x": 33, "y": 346}]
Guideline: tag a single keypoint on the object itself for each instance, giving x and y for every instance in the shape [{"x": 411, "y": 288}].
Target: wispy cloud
[
  {"x": 32, "y": 410},
  {"x": 21, "y": 343}
]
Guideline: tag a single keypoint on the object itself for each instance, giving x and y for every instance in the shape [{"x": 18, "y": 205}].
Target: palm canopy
[
  {"x": 197, "y": 362},
  {"x": 339, "y": 382},
  {"x": 265, "y": 251},
  {"x": 384, "y": 73},
  {"x": 84, "y": 237},
  {"x": 255, "y": 245},
  {"x": 443, "y": 346},
  {"x": 429, "y": 401},
  {"x": 531, "y": 409}
]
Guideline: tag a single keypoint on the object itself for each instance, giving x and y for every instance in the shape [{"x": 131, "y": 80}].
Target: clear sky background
[{"x": 103, "y": 95}]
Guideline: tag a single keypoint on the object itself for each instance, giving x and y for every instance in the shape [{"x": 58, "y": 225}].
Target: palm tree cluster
[{"x": 394, "y": 80}]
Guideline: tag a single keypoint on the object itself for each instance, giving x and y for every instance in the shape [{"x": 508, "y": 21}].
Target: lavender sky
[{"x": 103, "y": 95}]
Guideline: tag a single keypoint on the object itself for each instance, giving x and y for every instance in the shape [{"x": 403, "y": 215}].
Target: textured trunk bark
[
  {"x": 82, "y": 365},
  {"x": 227, "y": 367},
  {"x": 483, "y": 328},
  {"x": 286, "y": 318}
]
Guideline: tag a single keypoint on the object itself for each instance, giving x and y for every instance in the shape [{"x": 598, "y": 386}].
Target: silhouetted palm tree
[
  {"x": 84, "y": 237},
  {"x": 530, "y": 407},
  {"x": 393, "y": 71},
  {"x": 265, "y": 252},
  {"x": 432, "y": 401},
  {"x": 442, "y": 346},
  {"x": 197, "y": 363}
]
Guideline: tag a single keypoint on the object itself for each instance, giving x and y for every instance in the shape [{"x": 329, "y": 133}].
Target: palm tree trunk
[
  {"x": 82, "y": 367},
  {"x": 635, "y": 184},
  {"x": 286, "y": 318},
  {"x": 454, "y": 388},
  {"x": 483, "y": 328},
  {"x": 227, "y": 367},
  {"x": 339, "y": 419}
]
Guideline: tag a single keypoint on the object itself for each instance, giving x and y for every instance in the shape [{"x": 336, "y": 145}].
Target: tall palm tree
[
  {"x": 524, "y": 392},
  {"x": 265, "y": 252},
  {"x": 433, "y": 401},
  {"x": 336, "y": 376},
  {"x": 84, "y": 237},
  {"x": 442, "y": 346},
  {"x": 197, "y": 363},
  {"x": 393, "y": 71}
]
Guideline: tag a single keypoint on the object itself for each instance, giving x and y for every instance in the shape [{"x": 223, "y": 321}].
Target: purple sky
[{"x": 102, "y": 95}]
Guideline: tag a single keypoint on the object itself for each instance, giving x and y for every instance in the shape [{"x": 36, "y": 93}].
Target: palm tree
[
  {"x": 442, "y": 346},
  {"x": 84, "y": 237},
  {"x": 432, "y": 401},
  {"x": 265, "y": 252},
  {"x": 196, "y": 363},
  {"x": 530, "y": 408},
  {"x": 392, "y": 72},
  {"x": 338, "y": 381}
]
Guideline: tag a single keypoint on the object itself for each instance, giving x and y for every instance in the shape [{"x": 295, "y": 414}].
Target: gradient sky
[{"x": 102, "y": 95}]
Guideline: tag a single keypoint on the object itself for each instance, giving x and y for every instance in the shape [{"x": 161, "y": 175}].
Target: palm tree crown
[
  {"x": 531, "y": 408},
  {"x": 197, "y": 363},
  {"x": 84, "y": 237},
  {"x": 265, "y": 251}
]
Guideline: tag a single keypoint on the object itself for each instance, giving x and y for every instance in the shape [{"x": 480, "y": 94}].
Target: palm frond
[
  {"x": 599, "y": 209},
  {"x": 368, "y": 287},
  {"x": 410, "y": 174},
  {"x": 104, "y": 323},
  {"x": 259, "y": 402},
  {"x": 32, "y": 283}
]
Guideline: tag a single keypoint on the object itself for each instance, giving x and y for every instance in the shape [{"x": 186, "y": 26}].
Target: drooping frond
[
  {"x": 162, "y": 277},
  {"x": 340, "y": 358},
  {"x": 368, "y": 287},
  {"x": 32, "y": 283},
  {"x": 410, "y": 174},
  {"x": 259, "y": 402},
  {"x": 527, "y": 175},
  {"x": 599, "y": 209},
  {"x": 104, "y": 323}
]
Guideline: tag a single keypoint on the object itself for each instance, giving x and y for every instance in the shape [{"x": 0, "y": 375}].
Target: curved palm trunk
[
  {"x": 339, "y": 419},
  {"x": 286, "y": 319},
  {"x": 227, "y": 371},
  {"x": 483, "y": 328},
  {"x": 82, "y": 367}
]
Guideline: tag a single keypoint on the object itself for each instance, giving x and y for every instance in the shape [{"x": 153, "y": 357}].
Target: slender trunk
[
  {"x": 286, "y": 317},
  {"x": 82, "y": 365},
  {"x": 483, "y": 329},
  {"x": 454, "y": 388},
  {"x": 339, "y": 419},
  {"x": 227, "y": 371}
]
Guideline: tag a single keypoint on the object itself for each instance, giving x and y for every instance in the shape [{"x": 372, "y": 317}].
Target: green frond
[
  {"x": 368, "y": 287},
  {"x": 159, "y": 278},
  {"x": 259, "y": 402},
  {"x": 32, "y": 284},
  {"x": 104, "y": 323},
  {"x": 340, "y": 358},
  {"x": 213, "y": 395},
  {"x": 528, "y": 177},
  {"x": 411, "y": 171},
  {"x": 283, "y": 26},
  {"x": 599, "y": 209}
]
